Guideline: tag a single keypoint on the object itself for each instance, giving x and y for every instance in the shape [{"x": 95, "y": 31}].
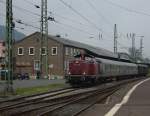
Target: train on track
[{"x": 92, "y": 69}]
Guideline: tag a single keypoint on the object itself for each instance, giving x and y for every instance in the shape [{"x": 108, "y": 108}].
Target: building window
[
  {"x": 54, "y": 50},
  {"x": 20, "y": 51},
  {"x": 74, "y": 51},
  {"x": 43, "y": 51},
  {"x": 66, "y": 51},
  {"x": 77, "y": 51},
  {"x": 71, "y": 51},
  {"x": 31, "y": 51}
]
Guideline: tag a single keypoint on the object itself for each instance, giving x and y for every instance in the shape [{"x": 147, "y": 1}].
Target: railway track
[
  {"x": 5, "y": 104},
  {"x": 69, "y": 102},
  {"x": 28, "y": 96}
]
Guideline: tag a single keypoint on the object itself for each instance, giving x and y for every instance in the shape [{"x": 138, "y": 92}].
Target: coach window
[
  {"x": 31, "y": 50},
  {"x": 20, "y": 51},
  {"x": 54, "y": 50}
]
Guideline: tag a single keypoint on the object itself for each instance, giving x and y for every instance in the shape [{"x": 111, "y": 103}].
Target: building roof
[{"x": 91, "y": 49}]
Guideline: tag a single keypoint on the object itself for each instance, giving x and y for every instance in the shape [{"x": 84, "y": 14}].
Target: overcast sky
[{"x": 88, "y": 19}]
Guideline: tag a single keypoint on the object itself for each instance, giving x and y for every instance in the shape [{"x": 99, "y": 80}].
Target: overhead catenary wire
[
  {"x": 73, "y": 21},
  {"x": 69, "y": 26},
  {"x": 29, "y": 2},
  {"x": 22, "y": 9},
  {"x": 78, "y": 13},
  {"x": 92, "y": 24},
  {"x": 75, "y": 28},
  {"x": 99, "y": 13},
  {"x": 19, "y": 21},
  {"x": 83, "y": 17},
  {"x": 126, "y": 9},
  {"x": 58, "y": 16},
  {"x": 26, "y": 24}
]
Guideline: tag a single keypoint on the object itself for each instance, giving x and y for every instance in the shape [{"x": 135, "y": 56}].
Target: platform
[
  {"x": 138, "y": 103},
  {"x": 135, "y": 102}
]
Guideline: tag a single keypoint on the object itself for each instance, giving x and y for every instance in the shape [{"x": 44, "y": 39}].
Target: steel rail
[
  {"x": 27, "y": 96},
  {"x": 101, "y": 92},
  {"x": 30, "y": 101},
  {"x": 60, "y": 102}
]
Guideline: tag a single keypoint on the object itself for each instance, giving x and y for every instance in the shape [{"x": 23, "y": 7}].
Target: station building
[{"x": 27, "y": 54}]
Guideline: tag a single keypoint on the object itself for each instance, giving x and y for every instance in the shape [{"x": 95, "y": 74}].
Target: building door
[
  {"x": 36, "y": 65},
  {"x": 37, "y": 68}
]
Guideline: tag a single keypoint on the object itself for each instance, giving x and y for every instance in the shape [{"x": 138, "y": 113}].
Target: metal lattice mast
[
  {"x": 141, "y": 45},
  {"x": 115, "y": 39},
  {"x": 133, "y": 46},
  {"x": 44, "y": 36},
  {"x": 9, "y": 46}
]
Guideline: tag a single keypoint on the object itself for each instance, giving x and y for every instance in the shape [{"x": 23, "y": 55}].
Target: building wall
[
  {"x": 2, "y": 54},
  {"x": 25, "y": 63},
  {"x": 2, "y": 49},
  {"x": 57, "y": 63}
]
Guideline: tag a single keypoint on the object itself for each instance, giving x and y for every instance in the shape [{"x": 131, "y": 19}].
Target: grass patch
[{"x": 38, "y": 89}]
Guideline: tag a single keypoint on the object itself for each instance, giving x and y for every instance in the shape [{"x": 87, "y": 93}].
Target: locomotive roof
[{"x": 106, "y": 61}]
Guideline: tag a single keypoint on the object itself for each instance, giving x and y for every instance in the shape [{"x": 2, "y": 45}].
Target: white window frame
[
  {"x": 71, "y": 51},
  {"x": 41, "y": 50},
  {"x": 30, "y": 51},
  {"x": 74, "y": 51},
  {"x": 52, "y": 51},
  {"x": 22, "y": 51},
  {"x": 66, "y": 50}
]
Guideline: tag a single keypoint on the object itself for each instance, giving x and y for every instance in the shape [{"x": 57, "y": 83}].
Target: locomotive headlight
[
  {"x": 84, "y": 73},
  {"x": 77, "y": 62}
]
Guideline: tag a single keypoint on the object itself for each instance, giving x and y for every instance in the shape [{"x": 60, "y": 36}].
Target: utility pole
[
  {"x": 9, "y": 47},
  {"x": 44, "y": 38},
  {"x": 115, "y": 39}
]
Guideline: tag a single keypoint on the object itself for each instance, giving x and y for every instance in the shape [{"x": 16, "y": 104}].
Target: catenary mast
[
  {"x": 9, "y": 47},
  {"x": 115, "y": 39},
  {"x": 44, "y": 39}
]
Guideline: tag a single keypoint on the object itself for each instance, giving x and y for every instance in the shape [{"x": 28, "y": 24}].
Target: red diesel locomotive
[{"x": 82, "y": 70}]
